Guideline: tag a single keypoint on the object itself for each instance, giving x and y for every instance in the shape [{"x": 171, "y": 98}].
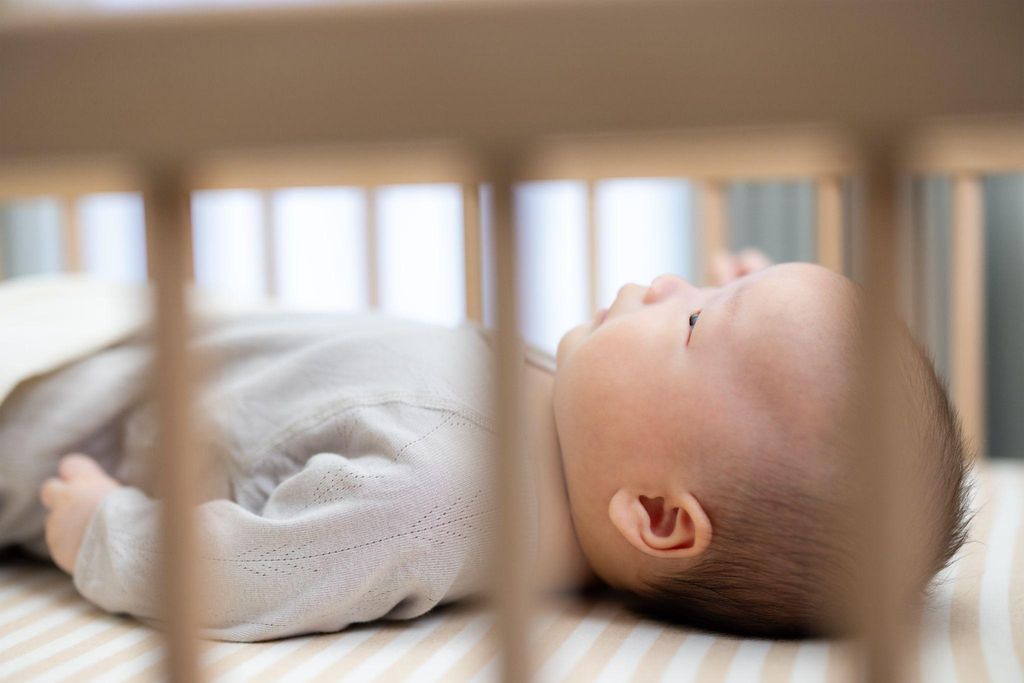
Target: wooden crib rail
[
  {"x": 486, "y": 70},
  {"x": 168, "y": 224}
]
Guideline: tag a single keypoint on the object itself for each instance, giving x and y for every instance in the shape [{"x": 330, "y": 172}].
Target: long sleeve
[{"x": 343, "y": 540}]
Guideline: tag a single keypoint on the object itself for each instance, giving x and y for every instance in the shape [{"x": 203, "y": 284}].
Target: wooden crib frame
[{"x": 500, "y": 92}]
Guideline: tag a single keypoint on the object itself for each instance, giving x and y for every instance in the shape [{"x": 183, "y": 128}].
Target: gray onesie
[{"x": 347, "y": 463}]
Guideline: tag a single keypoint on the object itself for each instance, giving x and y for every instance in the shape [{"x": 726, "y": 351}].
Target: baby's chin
[{"x": 570, "y": 341}]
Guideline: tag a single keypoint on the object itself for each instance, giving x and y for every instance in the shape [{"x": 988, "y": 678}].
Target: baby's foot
[{"x": 71, "y": 499}]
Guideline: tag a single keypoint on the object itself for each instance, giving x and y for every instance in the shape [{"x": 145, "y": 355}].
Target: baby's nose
[{"x": 667, "y": 285}]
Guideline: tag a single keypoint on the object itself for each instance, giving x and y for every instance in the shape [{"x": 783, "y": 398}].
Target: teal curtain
[
  {"x": 30, "y": 238},
  {"x": 1004, "y": 214},
  {"x": 776, "y": 217}
]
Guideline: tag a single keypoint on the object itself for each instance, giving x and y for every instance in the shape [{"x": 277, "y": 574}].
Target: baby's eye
[{"x": 693, "y": 318}]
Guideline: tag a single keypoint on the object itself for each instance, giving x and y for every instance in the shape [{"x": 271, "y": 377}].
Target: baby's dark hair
[{"x": 779, "y": 565}]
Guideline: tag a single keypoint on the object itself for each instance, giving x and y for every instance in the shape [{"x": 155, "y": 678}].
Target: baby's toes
[{"x": 79, "y": 465}]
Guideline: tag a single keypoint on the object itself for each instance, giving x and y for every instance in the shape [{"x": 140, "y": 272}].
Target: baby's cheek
[{"x": 583, "y": 411}]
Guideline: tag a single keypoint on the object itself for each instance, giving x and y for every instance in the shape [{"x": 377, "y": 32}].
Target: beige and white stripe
[{"x": 973, "y": 630}]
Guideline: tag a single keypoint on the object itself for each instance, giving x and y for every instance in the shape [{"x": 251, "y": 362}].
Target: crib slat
[
  {"x": 909, "y": 259},
  {"x": 920, "y": 320},
  {"x": 471, "y": 251},
  {"x": 714, "y": 224},
  {"x": 830, "y": 222},
  {"x": 271, "y": 278},
  {"x": 71, "y": 233},
  {"x": 372, "y": 249},
  {"x": 885, "y": 490},
  {"x": 967, "y": 317},
  {"x": 511, "y": 584},
  {"x": 153, "y": 252},
  {"x": 593, "y": 255},
  {"x": 167, "y": 226}
]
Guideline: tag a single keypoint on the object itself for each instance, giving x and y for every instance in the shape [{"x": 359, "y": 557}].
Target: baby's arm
[
  {"x": 339, "y": 542},
  {"x": 72, "y": 498}
]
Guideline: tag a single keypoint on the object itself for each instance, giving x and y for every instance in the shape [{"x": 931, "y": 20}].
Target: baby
[{"x": 685, "y": 449}]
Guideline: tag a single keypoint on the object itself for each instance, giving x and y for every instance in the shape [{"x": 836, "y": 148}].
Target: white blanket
[{"x": 49, "y": 321}]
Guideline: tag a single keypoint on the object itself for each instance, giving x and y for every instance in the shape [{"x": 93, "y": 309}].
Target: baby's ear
[{"x": 667, "y": 525}]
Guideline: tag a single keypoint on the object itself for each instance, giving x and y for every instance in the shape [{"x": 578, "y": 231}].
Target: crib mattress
[{"x": 973, "y": 630}]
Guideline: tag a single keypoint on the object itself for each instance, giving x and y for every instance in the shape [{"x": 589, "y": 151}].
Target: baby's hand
[
  {"x": 71, "y": 499},
  {"x": 728, "y": 266}
]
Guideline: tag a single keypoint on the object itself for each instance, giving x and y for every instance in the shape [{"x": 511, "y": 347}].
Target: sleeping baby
[{"x": 685, "y": 448}]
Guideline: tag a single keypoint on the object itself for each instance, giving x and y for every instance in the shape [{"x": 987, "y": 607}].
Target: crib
[{"x": 499, "y": 92}]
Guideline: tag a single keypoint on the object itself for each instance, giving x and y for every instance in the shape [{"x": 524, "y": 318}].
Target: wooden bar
[
  {"x": 334, "y": 165},
  {"x": 991, "y": 144},
  {"x": 713, "y": 225},
  {"x": 63, "y": 177},
  {"x": 885, "y": 490},
  {"x": 3, "y": 247},
  {"x": 830, "y": 222},
  {"x": 188, "y": 241},
  {"x": 153, "y": 254},
  {"x": 167, "y": 224},
  {"x": 934, "y": 275},
  {"x": 774, "y": 153},
  {"x": 918, "y": 295},
  {"x": 909, "y": 259},
  {"x": 967, "y": 314},
  {"x": 988, "y": 144},
  {"x": 511, "y": 590},
  {"x": 192, "y": 90},
  {"x": 71, "y": 233},
  {"x": 471, "y": 251},
  {"x": 593, "y": 253},
  {"x": 372, "y": 249},
  {"x": 271, "y": 278}
]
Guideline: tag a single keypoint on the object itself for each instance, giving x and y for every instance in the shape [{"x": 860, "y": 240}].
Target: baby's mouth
[{"x": 600, "y": 316}]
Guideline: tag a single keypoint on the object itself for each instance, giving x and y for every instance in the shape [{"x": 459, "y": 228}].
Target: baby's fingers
[
  {"x": 51, "y": 491},
  {"x": 724, "y": 268},
  {"x": 751, "y": 260},
  {"x": 76, "y": 465}
]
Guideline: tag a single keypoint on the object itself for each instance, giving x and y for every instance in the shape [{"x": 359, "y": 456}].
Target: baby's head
[{"x": 707, "y": 469}]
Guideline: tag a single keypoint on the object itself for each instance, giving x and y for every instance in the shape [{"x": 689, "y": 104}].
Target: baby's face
[{"x": 651, "y": 394}]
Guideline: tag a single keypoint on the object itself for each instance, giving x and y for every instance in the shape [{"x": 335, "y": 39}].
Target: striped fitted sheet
[{"x": 972, "y": 631}]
